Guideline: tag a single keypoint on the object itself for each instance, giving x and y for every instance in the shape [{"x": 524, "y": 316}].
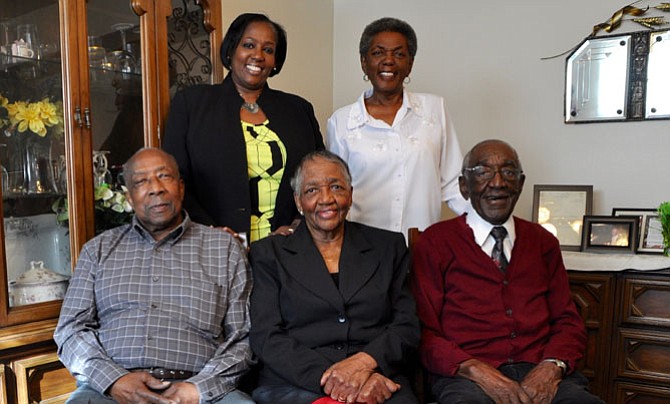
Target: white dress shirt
[
  {"x": 482, "y": 230},
  {"x": 400, "y": 173}
]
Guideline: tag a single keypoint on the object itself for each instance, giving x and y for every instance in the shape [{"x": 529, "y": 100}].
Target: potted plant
[{"x": 664, "y": 216}]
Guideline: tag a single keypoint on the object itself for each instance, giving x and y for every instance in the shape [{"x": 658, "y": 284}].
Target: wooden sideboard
[
  {"x": 593, "y": 295},
  {"x": 627, "y": 318}
]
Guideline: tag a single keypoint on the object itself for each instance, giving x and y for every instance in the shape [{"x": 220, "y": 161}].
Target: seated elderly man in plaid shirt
[{"x": 157, "y": 310}]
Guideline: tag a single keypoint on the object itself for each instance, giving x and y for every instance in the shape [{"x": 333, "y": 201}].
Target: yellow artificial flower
[
  {"x": 4, "y": 118},
  {"x": 13, "y": 109},
  {"x": 49, "y": 113},
  {"x": 37, "y": 117},
  {"x": 58, "y": 128},
  {"x": 29, "y": 117}
]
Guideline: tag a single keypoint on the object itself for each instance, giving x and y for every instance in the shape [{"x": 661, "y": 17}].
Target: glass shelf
[
  {"x": 9, "y": 64},
  {"x": 21, "y": 205}
]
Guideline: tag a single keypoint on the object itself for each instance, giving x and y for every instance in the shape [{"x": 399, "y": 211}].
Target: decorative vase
[
  {"x": 102, "y": 175},
  {"x": 38, "y": 175},
  {"x": 15, "y": 163},
  {"x": 30, "y": 168}
]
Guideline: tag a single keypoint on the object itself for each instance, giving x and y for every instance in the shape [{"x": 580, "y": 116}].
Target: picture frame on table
[
  {"x": 610, "y": 234},
  {"x": 650, "y": 238},
  {"x": 561, "y": 209}
]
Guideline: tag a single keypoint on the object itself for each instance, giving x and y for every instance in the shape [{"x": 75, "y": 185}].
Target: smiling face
[
  {"x": 155, "y": 191},
  {"x": 324, "y": 197},
  {"x": 254, "y": 56},
  {"x": 492, "y": 199},
  {"x": 387, "y": 62}
]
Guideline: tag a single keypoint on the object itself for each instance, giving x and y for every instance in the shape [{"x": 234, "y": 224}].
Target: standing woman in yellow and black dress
[{"x": 237, "y": 143}]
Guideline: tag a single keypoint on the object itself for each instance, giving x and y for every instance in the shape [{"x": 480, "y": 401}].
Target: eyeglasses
[{"x": 485, "y": 173}]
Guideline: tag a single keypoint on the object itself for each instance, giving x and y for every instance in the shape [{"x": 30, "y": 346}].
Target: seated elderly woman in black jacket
[{"x": 331, "y": 311}]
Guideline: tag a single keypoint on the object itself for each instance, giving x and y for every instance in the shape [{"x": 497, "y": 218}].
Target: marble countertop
[{"x": 581, "y": 261}]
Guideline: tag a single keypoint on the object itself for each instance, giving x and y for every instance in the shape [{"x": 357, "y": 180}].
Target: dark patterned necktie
[{"x": 498, "y": 253}]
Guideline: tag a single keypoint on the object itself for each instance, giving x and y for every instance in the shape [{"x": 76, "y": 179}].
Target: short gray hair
[
  {"x": 388, "y": 24},
  {"x": 466, "y": 158},
  {"x": 297, "y": 179}
]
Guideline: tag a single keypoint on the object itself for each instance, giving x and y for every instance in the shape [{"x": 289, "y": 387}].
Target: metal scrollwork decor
[{"x": 188, "y": 46}]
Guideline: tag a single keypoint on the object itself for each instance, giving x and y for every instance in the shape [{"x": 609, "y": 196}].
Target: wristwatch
[{"x": 558, "y": 363}]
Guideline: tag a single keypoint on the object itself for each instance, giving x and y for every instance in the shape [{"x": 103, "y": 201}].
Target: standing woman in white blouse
[{"x": 401, "y": 147}]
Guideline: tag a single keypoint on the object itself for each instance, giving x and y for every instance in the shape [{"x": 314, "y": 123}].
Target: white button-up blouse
[{"x": 400, "y": 173}]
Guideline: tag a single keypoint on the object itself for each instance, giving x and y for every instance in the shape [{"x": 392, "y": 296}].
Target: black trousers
[
  {"x": 573, "y": 389},
  {"x": 289, "y": 394}
]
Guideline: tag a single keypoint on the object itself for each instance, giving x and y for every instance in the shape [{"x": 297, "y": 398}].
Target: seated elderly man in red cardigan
[{"x": 492, "y": 294}]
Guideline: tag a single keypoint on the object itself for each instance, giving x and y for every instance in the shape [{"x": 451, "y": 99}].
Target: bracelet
[{"x": 558, "y": 363}]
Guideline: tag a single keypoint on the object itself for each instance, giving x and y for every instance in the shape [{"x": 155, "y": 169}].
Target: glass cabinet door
[
  {"x": 117, "y": 115},
  {"x": 35, "y": 247},
  {"x": 115, "y": 77},
  {"x": 83, "y": 85}
]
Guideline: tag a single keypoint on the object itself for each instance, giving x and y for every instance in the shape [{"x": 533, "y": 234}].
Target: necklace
[{"x": 250, "y": 106}]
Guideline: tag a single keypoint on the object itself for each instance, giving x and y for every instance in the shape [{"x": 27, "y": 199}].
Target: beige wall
[
  {"x": 308, "y": 70},
  {"x": 484, "y": 58}
]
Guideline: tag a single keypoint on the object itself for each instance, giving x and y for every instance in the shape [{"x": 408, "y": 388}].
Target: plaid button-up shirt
[{"x": 179, "y": 303}]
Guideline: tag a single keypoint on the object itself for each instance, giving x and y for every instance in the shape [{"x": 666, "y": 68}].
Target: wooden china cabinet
[{"x": 78, "y": 79}]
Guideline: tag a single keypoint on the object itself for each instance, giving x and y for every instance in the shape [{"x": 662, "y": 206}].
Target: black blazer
[
  {"x": 301, "y": 323},
  {"x": 204, "y": 134}
]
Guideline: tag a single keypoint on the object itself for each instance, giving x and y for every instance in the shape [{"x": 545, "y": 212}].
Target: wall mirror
[
  {"x": 658, "y": 76},
  {"x": 619, "y": 78}
]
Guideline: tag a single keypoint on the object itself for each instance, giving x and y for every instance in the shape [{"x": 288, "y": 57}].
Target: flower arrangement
[
  {"x": 664, "y": 216},
  {"x": 39, "y": 117},
  {"x": 111, "y": 208}
]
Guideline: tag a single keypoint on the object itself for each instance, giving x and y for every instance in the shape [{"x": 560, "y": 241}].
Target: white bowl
[{"x": 36, "y": 285}]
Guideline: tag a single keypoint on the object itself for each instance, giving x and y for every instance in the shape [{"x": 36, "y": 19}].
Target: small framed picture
[
  {"x": 561, "y": 209},
  {"x": 610, "y": 234},
  {"x": 650, "y": 239}
]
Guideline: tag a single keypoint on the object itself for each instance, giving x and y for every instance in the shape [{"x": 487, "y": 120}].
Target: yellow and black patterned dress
[{"x": 266, "y": 159}]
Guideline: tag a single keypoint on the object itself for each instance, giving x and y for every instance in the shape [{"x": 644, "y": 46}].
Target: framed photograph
[
  {"x": 611, "y": 234},
  {"x": 650, "y": 238},
  {"x": 561, "y": 209}
]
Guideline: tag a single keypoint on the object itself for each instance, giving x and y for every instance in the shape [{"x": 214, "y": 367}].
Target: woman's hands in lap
[{"x": 354, "y": 380}]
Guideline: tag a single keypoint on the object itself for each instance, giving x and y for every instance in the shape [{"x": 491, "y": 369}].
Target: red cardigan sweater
[{"x": 469, "y": 309}]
